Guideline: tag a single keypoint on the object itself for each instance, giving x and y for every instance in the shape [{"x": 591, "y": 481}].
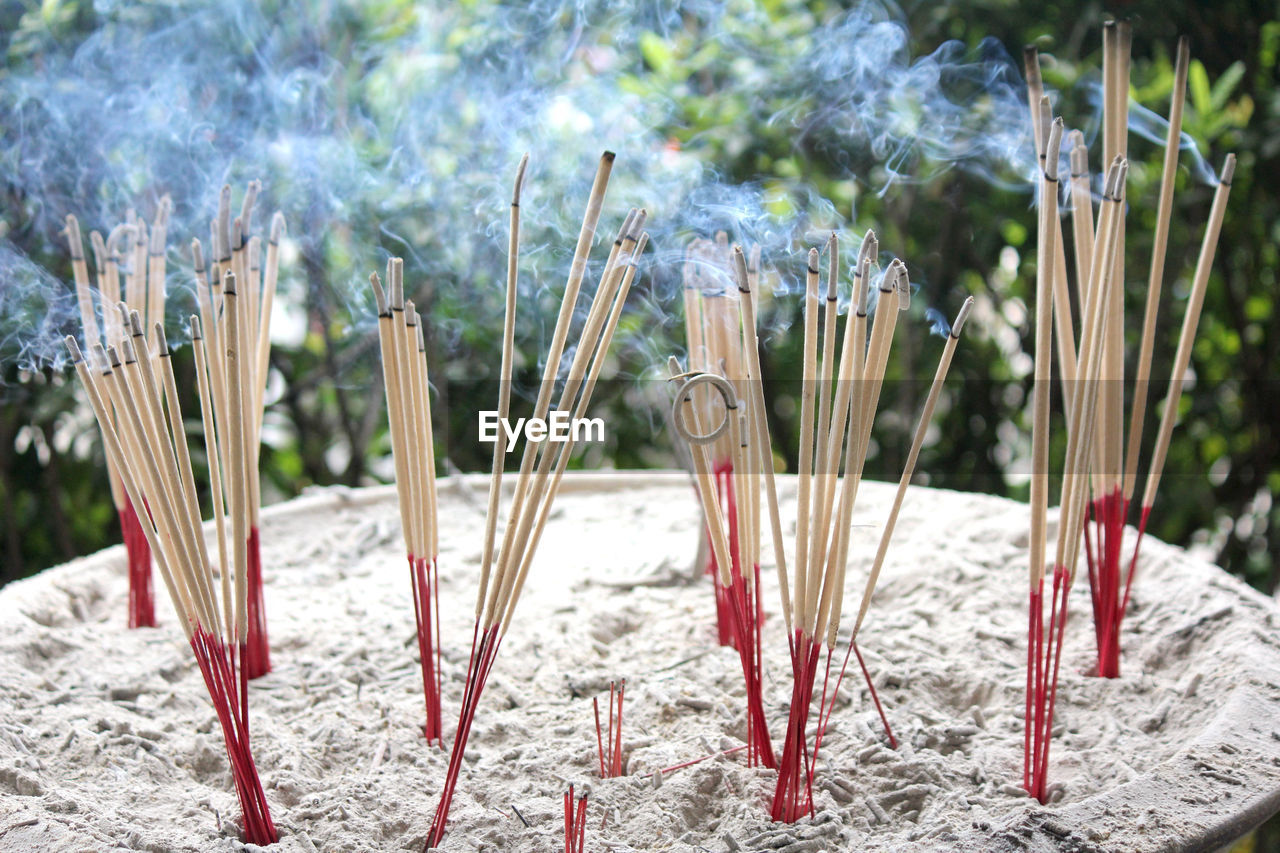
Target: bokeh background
[{"x": 393, "y": 128}]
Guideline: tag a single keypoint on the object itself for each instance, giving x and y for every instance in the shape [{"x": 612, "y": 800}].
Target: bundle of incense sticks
[
  {"x": 1115, "y": 458},
  {"x": 237, "y": 266},
  {"x": 834, "y": 423},
  {"x": 404, "y": 369},
  {"x": 715, "y": 346},
  {"x": 131, "y": 388},
  {"x": 504, "y": 569},
  {"x": 1093, "y": 400},
  {"x": 130, "y": 252},
  {"x": 724, "y": 466}
]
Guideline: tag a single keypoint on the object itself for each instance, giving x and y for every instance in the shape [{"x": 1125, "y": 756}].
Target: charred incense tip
[
  {"x": 229, "y": 283},
  {"x": 637, "y": 225},
  {"x": 1125, "y": 29},
  {"x": 197, "y": 333},
  {"x": 674, "y": 368},
  {"x": 74, "y": 240},
  {"x": 140, "y": 233},
  {"x": 112, "y": 357},
  {"x": 1031, "y": 63},
  {"x": 961, "y": 316},
  {"x": 197, "y": 256},
  {"x": 904, "y": 289},
  {"x": 862, "y": 286},
  {"x": 740, "y": 270},
  {"x": 74, "y": 349},
  {"x": 379, "y": 296},
  {"x": 277, "y": 228},
  {"x": 132, "y": 319},
  {"x": 608, "y": 156},
  {"x": 1079, "y": 154},
  {"x": 162, "y": 343},
  {"x": 237, "y": 234},
  {"x": 1122, "y": 175},
  {"x": 624, "y": 230},
  {"x": 222, "y": 245},
  {"x": 868, "y": 249},
  {"x": 1053, "y": 148},
  {"x": 1044, "y": 118},
  {"x": 410, "y": 313},
  {"x": 395, "y": 272},
  {"x": 247, "y": 203},
  {"x": 520, "y": 170},
  {"x": 889, "y": 280},
  {"x": 130, "y": 354},
  {"x": 1228, "y": 170},
  {"x": 120, "y": 232},
  {"x": 813, "y": 262}
]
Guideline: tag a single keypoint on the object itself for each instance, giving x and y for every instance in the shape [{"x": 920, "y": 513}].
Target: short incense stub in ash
[
  {"x": 609, "y": 740},
  {"x": 504, "y": 569}
]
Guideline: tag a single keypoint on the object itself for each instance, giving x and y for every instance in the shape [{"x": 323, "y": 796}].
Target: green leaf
[
  {"x": 1198, "y": 84},
  {"x": 1227, "y": 83},
  {"x": 657, "y": 53}
]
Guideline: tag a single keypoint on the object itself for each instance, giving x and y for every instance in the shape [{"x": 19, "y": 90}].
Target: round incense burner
[{"x": 110, "y": 740}]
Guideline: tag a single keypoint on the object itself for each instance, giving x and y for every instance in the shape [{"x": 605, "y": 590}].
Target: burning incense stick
[
  {"x": 146, "y": 294},
  {"x": 1044, "y": 649},
  {"x": 1115, "y": 456},
  {"x": 409, "y": 406},
  {"x": 830, "y": 422},
  {"x": 715, "y": 346},
  {"x": 726, "y": 463},
  {"x": 235, "y": 295},
  {"x": 130, "y": 389},
  {"x": 543, "y": 464}
]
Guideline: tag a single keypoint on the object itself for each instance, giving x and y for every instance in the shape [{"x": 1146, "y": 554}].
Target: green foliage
[{"x": 960, "y": 233}]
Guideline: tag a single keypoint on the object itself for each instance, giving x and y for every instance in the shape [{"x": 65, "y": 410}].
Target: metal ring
[{"x": 685, "y": 393}]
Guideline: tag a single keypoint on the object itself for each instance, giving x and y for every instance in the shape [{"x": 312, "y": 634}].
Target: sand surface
[{"x": 108, "y": 740}]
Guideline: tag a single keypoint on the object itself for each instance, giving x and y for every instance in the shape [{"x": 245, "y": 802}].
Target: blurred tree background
[
  {"x": 961, "y": 230},
  {"x": 723, "y": 77}
]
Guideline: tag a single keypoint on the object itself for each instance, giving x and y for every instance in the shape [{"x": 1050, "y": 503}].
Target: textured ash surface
[{"x": 108, "y": 741}]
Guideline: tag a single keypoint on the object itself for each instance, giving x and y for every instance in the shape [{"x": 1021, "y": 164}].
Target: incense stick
[
  {"x": 534, "y": 493},
  {"x": 402, "y": 345},
  {"x": 150, "y": 454}
]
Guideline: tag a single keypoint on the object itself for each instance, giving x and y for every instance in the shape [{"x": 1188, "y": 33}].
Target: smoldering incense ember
[
  {"x": 150, "y": 453},
  {"x": 404, "y": 370},
  {"x": 505, "y": 569},
  {"x": 236, "y": 260},
  {"x": 142, "y": 262}
]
